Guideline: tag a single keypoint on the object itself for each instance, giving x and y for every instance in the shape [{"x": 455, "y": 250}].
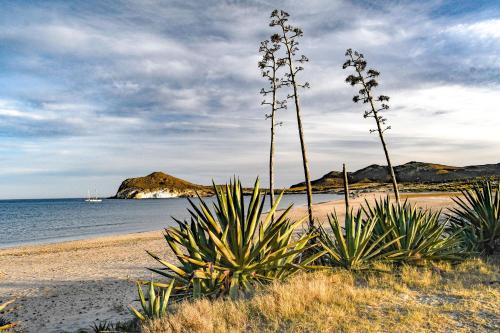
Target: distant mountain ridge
[
  {"x": 162, "y": 185},
  {"x": 411, "y": 172},
  {"x": 159, "y": 185}
]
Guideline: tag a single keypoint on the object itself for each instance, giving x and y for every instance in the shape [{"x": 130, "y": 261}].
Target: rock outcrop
[
  {"x": 411, "y": 172},
  {"x": 159, "y": 185}
]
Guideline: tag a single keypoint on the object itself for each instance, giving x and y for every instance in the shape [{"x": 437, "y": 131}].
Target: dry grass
[{"x": 464, "y": 298}]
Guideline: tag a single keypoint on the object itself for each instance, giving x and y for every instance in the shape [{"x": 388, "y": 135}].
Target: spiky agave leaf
[
  {"x": 354, "y": 246},
  {"x": 477, "y": 217},
  {"x": 231, "y": 247},
  {"x": 414, "y": 233}
]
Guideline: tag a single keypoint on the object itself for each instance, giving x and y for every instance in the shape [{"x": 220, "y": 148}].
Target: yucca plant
[
  {"x": 354, "y": 246},
  {"x": 5, "y": 324},
  {"x": 413, "y": 233},
  {"x": 155, "y": 305},
  {"x": 227, "y": 250},
  {"x": 477, "y": 217}
]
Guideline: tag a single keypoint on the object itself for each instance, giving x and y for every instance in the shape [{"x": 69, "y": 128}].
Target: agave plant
[
  {"x": 413, "y": 233},
  {"x": 4, "y": 324},
  {"x": 155, "y": 306},
  {"x": 106, "y": 326},
  {"x": 102, "y": 327},
  {"x": 227, "y": 250},
  {"x": 477, "y": 217},
  {"x": 354, "y": 247}
]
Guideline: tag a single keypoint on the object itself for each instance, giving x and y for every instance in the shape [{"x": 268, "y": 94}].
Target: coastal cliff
[{"x": 159, "y": 185}]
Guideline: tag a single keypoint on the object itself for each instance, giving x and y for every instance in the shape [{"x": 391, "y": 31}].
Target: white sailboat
[{"x": 92, "y": 198}]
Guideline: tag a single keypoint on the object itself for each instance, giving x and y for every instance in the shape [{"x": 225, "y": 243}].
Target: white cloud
[
  {"x": 19, "y": 114},
  {"x": 144, "y": 87},
  {"x": 486, "y": 29}
]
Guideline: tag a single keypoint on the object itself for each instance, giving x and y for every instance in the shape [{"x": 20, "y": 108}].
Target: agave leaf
[
  {"x": 170, "y": 266},
  {"x": 229, "y": 256},
  {"x": 8, "y": 326},
  {"x": 137, "y": 313},
  {"x": 273, "y": 210},
  {"x": 5, "y": 304},
  {"x": 142, "y": 299}
]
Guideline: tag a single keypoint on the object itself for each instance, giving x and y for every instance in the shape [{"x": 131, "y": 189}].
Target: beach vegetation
[
  {"x": 101, "y": 327},
  {"x": 354, "y": 246},
  {"x": 231, "y": 248},
  {"x": 414, "y": 234},
  {"x": 155, "y": 305},
  {"x": 476, "y": 218},
  {"x": 106, "y": 326},
  {"x": 437, "y": 298}
]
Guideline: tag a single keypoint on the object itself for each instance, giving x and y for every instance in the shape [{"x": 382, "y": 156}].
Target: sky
[{"x": 93, "y": 92}]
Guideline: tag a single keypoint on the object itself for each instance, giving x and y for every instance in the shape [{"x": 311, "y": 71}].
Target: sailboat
[{"x": 93, "y": 198}]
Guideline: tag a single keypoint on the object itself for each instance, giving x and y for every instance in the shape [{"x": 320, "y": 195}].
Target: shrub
[
  {"x": 477, "y": 218},
  {"x": 228, "y": 250},
  {"x": 355, "y": 246},
  {"x": 105, "y": 326},
  {"x": 102, "y": 326},
  {"x": 155, "y": 306},
  {"x": 413, "y": 233}
]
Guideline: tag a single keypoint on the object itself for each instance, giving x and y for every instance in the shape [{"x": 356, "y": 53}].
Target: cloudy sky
[{"x": 92, "y": 92}]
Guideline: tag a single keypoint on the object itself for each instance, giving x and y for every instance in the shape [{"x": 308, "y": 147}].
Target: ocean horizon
[{"x": 44, "y": 221}]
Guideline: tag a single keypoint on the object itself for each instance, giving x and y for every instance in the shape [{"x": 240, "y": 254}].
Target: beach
[{"x": 67, "y": 286}]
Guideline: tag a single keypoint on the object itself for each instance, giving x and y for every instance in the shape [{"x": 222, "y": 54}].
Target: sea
[{"x": 41, "y": 221}]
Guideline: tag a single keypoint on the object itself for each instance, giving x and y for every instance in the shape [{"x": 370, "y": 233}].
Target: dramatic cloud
[{"x": 95, "y": 92}]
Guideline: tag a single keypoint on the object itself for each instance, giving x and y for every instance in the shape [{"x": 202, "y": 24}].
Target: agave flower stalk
[
  {"x": 367, "y": 81},
  {"x": 288, "y": 37},
  {"x": 346, "y": 188},
  {"x": 269, "y": 66}
]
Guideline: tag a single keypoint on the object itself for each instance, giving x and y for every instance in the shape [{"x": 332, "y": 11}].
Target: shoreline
[
  {"x": 33, "y": 244},
  {"x": 126, "y": 236},
  {"x": 94, "y": 241}
]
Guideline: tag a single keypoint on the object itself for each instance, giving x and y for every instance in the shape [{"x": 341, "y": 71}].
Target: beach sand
[{"x": 67, "y": 286}]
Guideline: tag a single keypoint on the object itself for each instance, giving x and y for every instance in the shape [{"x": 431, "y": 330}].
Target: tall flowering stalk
[
  {"x": 288, "y": 37},
  {"x": 367, "y": 81},
  {"x": 269, "y": 66}
]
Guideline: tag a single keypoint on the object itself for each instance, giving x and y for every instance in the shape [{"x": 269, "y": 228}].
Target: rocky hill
[
  {"x": 159, "y": 185},
  {"x": 411, "y": 172}
]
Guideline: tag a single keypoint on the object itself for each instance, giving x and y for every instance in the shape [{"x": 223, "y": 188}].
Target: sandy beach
[{"x": 67, "y": 286}]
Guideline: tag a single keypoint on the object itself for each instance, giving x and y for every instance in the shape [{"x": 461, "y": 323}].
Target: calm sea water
[{"x": 24, "y": 222}]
